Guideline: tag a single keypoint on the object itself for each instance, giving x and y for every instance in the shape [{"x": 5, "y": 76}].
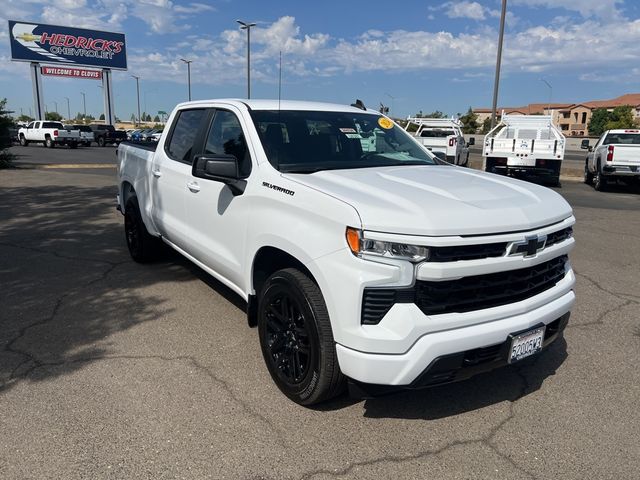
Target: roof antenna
[
  {"x": 280, "y": 81},
  {"x": 359, "y": 105}
]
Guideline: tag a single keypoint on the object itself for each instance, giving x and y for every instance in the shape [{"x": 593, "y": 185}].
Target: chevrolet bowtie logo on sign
[
  {"x": 37, "y": 42},
  {"x": 529, "y": 247}
]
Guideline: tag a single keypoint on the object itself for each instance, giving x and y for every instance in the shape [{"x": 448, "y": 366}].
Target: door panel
[
  {"x": 171, "y": 172},
  {"x": 218, "y": 218}
]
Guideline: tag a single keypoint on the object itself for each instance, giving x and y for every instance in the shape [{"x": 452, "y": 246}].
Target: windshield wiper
[{"x": 305, "y": 170}]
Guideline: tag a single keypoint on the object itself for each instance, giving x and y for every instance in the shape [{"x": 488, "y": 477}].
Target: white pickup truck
[
  {"x": 522, "y": 145},
  {"x": 441, "y": 136},
  {"x": 48, "y": 133},
  {"x": 616, "y": 156},
  {"x": 363, "y": 258}
]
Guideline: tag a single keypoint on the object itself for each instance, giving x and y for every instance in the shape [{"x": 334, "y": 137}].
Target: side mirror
[
  {"x": 220, "y": 168},
  {"x": 590, "y": 149},
  {"x": 472, "y": 141},
  {"x": 585, "y": 144}
]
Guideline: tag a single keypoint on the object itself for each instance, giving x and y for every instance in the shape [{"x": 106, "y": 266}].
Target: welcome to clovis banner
[{"x": 38, "y": 42}]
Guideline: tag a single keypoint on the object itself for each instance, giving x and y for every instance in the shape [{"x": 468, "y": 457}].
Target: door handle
[
  {"x": 157, "y": 173},
  {"x": 193, "y": 186}
]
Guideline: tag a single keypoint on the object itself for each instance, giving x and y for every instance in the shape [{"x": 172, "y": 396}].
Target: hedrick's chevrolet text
[{"x": 364, "y": 260}]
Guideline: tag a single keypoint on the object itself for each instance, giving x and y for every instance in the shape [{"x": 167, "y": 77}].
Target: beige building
[{"x": 572, "y": 118}]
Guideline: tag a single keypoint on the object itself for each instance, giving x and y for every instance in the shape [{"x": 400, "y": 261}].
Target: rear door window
[{"x": 183, "y": 135}]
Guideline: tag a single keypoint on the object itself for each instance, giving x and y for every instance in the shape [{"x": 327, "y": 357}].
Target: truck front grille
[{"x": 467, "y": 294}]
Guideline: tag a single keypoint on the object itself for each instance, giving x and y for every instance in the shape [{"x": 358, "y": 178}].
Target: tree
[
  {"x": 101, "y": 116},
  {"x": 469, "y": 122},
  {"x": 621, "y": 117},
  {"x": 148, "y": 118},
  {"x": 486, "y": 125},
  {"x": 53, "y": 116},
  {"x": 5, "y": 135},
  {"x": 25, "y": 118},
  {"x": 156, "y": 119},
  {"x": 435, "y": 114},
  {"x": 598, "y": 123}
]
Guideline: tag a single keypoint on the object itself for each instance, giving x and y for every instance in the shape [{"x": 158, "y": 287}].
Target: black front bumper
[{"x": 457, "y": 366}]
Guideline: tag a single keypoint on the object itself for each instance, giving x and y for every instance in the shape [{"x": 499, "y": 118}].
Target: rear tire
[
  {"x": 143, "y": 247},
  {"x": 599, "y": 182},
  {"x": 101, "y": 142},
  {"x": 73, "y": 145},
  {"x": 49, "y": 143},
  {"x": 588, "y": 176},
  {"x": 296, "y": 338}
]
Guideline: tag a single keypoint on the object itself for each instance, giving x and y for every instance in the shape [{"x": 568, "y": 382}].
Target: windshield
[{"x": 310, "y": 141}]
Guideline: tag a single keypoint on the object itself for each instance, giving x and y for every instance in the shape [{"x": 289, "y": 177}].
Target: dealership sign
[
  {"x": 72, "y": 72},
  {"x": 37, "y": 42}
]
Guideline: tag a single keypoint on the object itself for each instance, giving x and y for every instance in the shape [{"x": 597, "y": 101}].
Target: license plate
[{"x": 525, "y": 344}]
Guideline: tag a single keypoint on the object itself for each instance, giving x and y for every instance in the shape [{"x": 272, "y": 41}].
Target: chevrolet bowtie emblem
[{"x": 529, "y": 247}]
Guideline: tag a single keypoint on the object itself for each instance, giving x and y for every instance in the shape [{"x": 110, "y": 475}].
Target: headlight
[{"x": 361, "y": 246}]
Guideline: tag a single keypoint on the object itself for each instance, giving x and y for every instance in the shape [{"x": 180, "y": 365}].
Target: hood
[{"x": 439, "y": 200}]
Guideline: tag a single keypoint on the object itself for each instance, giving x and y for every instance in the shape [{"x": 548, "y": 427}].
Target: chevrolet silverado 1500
[
  {"x": 616, "y": 156},
  {"x": 362, "y": 257}
]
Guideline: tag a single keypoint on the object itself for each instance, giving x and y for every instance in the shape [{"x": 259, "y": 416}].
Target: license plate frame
[{"x": 525, "y": 343}]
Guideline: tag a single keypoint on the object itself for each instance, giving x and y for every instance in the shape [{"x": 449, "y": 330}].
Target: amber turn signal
[{"x": 353, "y": 240}]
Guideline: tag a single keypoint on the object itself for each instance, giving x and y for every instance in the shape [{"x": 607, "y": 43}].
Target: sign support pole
[
  {"x": 107, "y": 89},
  {"x": 38, "y": 95}
]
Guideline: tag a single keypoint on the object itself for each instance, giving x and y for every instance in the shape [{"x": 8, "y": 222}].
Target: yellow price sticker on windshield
[{"x": 385, "y": 123}]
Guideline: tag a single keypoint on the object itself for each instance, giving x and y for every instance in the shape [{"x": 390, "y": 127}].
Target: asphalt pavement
[{"x": 110, "y": 369}]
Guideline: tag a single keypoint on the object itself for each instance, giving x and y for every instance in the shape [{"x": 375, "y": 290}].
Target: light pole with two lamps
[{"x": 247, "y": 26}]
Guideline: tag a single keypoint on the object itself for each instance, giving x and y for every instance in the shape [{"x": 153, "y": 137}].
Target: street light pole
[
  {"x": 550, "y": 94},
  {"x": 84, "y": 104},
  {"x": 138, "y": 93},
  {"x": 56, "y": 105},
  {"x": 247, "y": 26},
  {"x": 498, "y": 61},
  {"x": 68, "y": 109},
  {"x": 188, "y": 62}
]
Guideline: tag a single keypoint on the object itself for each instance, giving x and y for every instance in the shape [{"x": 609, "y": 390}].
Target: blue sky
[{"x": 427, "y": 55}]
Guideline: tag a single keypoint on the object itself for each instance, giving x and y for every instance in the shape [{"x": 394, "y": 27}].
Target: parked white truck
[
  {"x": 615, "y": 156},
  {"x": 522, "y": 145},
  {"x": 361, "y": 256},
  {"x": 442, "y": 136},
  {"x": 48, "y": 133}
]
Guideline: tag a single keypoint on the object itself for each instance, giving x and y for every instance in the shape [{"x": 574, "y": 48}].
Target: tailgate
[{"x": 626, "y": 154}]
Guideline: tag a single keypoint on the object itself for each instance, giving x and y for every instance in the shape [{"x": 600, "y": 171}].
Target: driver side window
[{"x": 226, "y": 137}]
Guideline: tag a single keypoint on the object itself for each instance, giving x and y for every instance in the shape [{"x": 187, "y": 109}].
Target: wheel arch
[{"x": 266, "y": 261}]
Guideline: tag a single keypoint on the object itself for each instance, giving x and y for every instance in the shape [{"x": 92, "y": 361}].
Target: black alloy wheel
[
  {"x": 101, "y": 142},
  {"x": 291, "y": 345},
  {"x": 296, "y": 338},
  {"x": 143, "y": 247}
]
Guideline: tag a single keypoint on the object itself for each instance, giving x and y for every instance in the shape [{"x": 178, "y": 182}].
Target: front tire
[
  {"x": 143, "y": 247},
  {"x": 101, "y": 142},
  {"x": 296, "y": 338},
  {"x": 23, "y": 141}
]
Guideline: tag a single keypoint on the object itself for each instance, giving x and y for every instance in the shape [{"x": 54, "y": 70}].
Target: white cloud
[
  {"x": 472, "y": 10},
  {"x": 586, "y": 8},
  {"x": 193, "y": 8}
]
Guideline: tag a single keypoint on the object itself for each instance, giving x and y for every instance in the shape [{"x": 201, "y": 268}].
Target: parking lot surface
[{"x": 110, "y": 369}]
